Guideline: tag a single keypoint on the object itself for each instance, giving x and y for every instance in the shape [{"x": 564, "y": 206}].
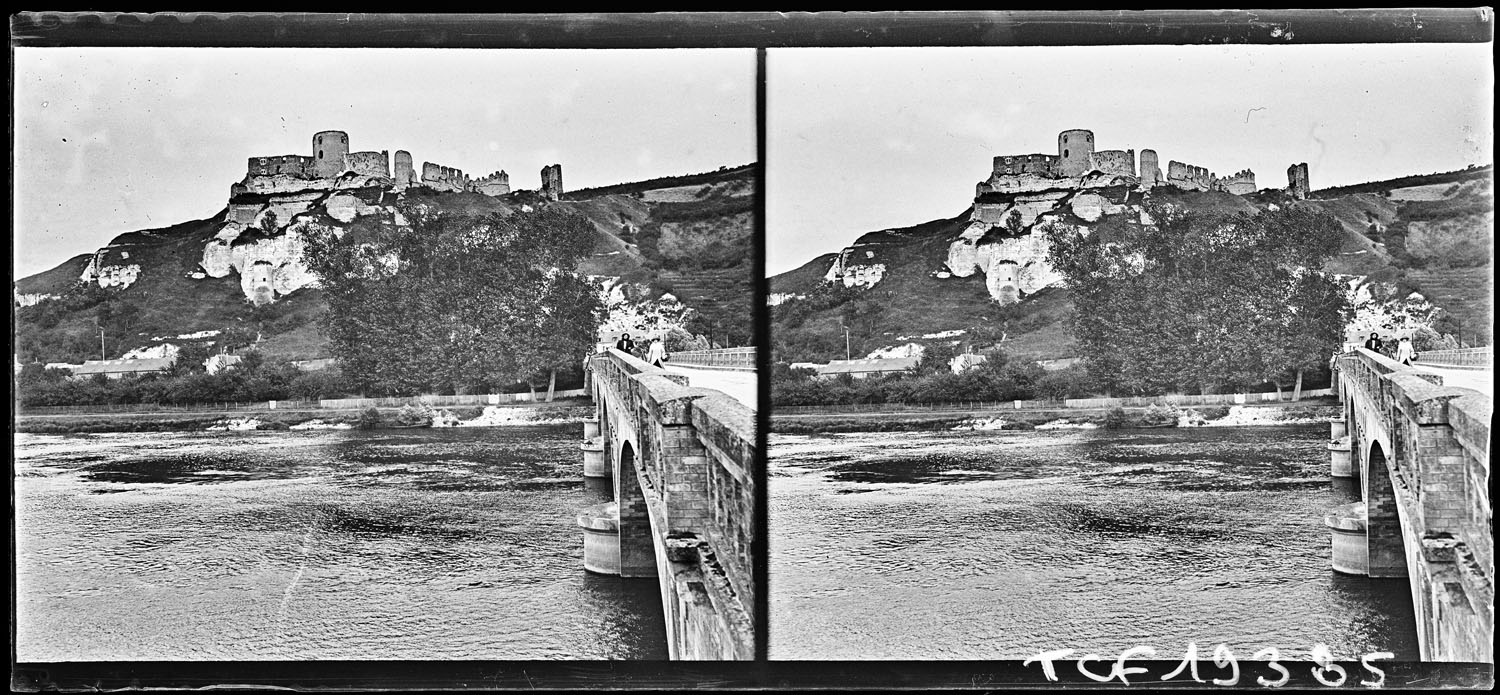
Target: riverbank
[
  {"x": 321, "y": 418},
  {"x": 1314, "y": 410}
]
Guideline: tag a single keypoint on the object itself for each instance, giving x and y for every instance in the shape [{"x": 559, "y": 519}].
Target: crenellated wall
[
  {"x": 495, "y": 184},
  {"x": 439, "y": 177},
  {"x": 1188, "y": 177},
  {"x": 1241, "y": 183}
]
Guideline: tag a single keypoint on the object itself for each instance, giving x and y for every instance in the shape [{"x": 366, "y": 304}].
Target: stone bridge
[
  {"x": 1421, "y": 452},
  {"x": 682, "y": 462}
]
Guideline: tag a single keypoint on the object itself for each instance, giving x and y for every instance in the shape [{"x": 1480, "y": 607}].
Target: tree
[
  {"x": 1201, "y": 300},
  {"x": 456, "y": 301}
]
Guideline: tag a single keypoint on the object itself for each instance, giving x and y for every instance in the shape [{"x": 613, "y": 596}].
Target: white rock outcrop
[{"x": 268, "y": 267}]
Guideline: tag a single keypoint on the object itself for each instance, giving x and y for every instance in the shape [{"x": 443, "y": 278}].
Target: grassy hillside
[
  {"x": 1431, "y": 234},
  {"x": 704, "y": 239}
]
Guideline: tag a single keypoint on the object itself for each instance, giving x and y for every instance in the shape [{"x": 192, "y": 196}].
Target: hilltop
[
  {"x": 235, "y": 277},
  {"x": 1411, "y": 245}
]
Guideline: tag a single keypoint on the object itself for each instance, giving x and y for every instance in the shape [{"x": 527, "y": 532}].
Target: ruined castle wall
[
  {"x": 1075, "y": 149},
  {"x": 1150, "y": 169},
  {"x": 495, "y": 184},
  {"x": 1241, "y": 183},
  {"x": 441, "y": 178},
  {"x": 370, "y": 163},
  {"x": 405, "y": 175},
  {"x": 330, "y": 147},
  {"x": 1120, "y": 162},
  {"x": 1011, "y": 165},
  {"x": 1297, "y": 182},
  {"x": 552, "y": 185},
  {"x": 284, "y": 164},
  {"x": 1188, "y": 177}
]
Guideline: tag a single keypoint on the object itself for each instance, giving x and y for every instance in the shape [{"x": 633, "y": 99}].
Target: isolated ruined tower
[
  {"x": 552, "y": 185},
  {"x": 1296, "y": 181},
  {"x": 1150, "y": 169},
  {"x": 405, "y": 174}
]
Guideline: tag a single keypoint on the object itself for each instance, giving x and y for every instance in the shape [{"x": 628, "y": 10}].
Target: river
[
  {"x": 397, "y": 544},
  {"x": 1005, "y": 544}
]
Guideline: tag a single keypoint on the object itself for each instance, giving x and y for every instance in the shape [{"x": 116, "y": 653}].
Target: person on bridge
[
  {"x": 1374, "y": 344},
  {"x": 657, "y": 353},
  {"x": 1404, "y": 352},
  {"x": 625, "y": 344}
]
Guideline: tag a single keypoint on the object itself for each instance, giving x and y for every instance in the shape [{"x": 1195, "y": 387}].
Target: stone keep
[
  {"x": 1075, "y": 151},
  {"x": 552, "y": 185},
  {"x": 330, "y": 147}
]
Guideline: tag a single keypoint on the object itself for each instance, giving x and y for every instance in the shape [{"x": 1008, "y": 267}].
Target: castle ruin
[
  {"x": 1078, "y": 159},
  {"x": 331, "y": 159},
  {"x": 1079, "y": 185}
]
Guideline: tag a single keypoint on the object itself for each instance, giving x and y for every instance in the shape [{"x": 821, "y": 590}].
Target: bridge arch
[{"x": 1385, "y": 538}]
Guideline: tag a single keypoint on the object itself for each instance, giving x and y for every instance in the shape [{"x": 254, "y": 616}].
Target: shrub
[
  {"x": 1115, "y": 418},
  {"x": 410, "y": 415},
  {"x": 369, "y": 419}
]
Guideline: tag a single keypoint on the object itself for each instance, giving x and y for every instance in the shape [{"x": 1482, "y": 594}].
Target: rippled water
[
  {"x": 416, "y": 544},
  {"x": 1001, "y": 545}
]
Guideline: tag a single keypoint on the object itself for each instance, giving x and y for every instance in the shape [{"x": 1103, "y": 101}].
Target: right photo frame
[{"x": 1099, "y": 353}]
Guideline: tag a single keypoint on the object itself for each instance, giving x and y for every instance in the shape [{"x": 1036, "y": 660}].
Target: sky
[
  {"x": 865, "y": 139},
  {"x": 112, "y": 140}
]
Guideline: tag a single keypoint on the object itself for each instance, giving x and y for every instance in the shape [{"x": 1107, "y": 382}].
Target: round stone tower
[
  {"x": 1075, "y": 149},
  {"x": 329, "y": 148}
]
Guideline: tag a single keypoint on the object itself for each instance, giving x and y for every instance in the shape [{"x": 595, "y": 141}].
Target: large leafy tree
[
  {"x": 1203, "y": 301},
  {"x": 450, "y": 301}
]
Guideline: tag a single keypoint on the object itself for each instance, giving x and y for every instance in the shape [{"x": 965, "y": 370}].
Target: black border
[
  {"x": 754, "y": 29},
  {"x": 720, "y": 30}
]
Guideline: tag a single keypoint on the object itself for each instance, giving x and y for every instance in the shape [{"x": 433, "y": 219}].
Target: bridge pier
[{"x": 1350, "y": 543}]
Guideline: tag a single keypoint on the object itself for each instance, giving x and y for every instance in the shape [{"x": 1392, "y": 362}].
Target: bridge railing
[
  {"x": 1465, "y": 357},
  {"x": 740, "y": 358}
]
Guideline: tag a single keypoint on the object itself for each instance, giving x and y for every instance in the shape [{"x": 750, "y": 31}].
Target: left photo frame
[{"x": 331, "y": 354}]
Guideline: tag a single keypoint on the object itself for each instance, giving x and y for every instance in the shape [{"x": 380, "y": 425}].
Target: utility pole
[
  {"x": 101, "y": 343},
  {"x": 847, "y": 354}
]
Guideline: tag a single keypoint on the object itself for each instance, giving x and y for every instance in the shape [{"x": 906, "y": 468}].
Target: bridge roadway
[
  {"x": 1420, "y": 448},
  {"x": 1481, "y": 380},
  {"x": 682, "y": 460},
  {"x": 739, "y": 384}
]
